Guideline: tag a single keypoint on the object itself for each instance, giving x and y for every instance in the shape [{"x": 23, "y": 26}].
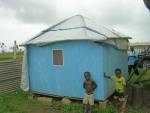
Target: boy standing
[
  {"x": 120, "y": 84},
  {"x": 89, "y": 86}
]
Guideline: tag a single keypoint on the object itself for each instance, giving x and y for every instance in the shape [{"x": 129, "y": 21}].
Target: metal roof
[{"x": 76, "y": 27}]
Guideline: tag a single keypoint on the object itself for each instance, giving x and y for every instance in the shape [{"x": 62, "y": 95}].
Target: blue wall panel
[
  {"x": 113, "y": 58},
  {"x": 79, "y": 56}
]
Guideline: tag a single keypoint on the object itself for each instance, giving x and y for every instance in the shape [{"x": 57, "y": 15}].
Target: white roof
[{"x": 75, "y": 28}]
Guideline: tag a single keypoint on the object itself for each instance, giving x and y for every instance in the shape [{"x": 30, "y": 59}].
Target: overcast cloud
[{"x": 22, "y": 19}]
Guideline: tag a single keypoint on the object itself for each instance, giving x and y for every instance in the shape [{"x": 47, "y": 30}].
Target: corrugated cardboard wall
[{"x": 10, "y": 75}]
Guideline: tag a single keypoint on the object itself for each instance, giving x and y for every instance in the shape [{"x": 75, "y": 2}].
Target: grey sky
[{"x": 22, "y": 19}]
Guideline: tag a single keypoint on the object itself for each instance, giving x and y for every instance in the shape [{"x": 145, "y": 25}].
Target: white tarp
[
  {"x": 25, "y": 77},
  {"x": 122, "y": 44}
]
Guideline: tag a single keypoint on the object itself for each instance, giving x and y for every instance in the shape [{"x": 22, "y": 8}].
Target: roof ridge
[
  {"x": 111, "y": 30},
  {"x": 49, "y": 28},
  {"x": 84, "y": 23},
  {"x": 59, "y": 23}
]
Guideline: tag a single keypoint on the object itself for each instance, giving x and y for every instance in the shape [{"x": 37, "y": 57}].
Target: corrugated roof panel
[{"x": 75, "y": 28}]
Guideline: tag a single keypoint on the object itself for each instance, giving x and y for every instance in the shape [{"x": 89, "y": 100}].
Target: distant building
[{"x": 140, "y": 47}]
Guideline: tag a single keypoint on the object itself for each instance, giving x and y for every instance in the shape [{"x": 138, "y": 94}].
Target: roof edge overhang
[
  {"x": 49, "y": 42},
  {"x": 119, "y": 37},
  {"x": 45, "y": 43}
]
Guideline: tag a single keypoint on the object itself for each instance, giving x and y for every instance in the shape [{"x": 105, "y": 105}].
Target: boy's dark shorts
[{"x": 117, "y": 94}]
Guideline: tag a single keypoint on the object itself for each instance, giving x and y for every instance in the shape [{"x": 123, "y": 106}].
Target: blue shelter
[{"x": 55, "y": 59}]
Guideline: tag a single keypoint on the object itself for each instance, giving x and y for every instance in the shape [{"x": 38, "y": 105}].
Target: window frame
[{"x": 53, "y": 56}]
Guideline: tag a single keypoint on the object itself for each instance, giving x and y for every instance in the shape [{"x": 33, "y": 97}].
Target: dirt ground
[
  {"x": 40, "y": 110},
  {"x": 43, "y": 109}
]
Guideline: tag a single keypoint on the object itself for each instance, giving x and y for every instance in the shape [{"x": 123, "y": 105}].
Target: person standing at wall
[
  {"x": 132, "y": 61},
  {"x": 119, "y": 94}
]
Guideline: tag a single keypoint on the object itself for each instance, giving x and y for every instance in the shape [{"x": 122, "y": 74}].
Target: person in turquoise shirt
[{"x": 132, "y": 61}]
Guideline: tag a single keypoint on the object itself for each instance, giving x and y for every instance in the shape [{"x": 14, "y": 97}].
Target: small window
[{"x": 58, "y": 57}]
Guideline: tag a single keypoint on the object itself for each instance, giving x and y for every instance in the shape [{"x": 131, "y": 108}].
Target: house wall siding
[
  {"x": 113, "y": 58},
  {"x": 66, "y": 80}
]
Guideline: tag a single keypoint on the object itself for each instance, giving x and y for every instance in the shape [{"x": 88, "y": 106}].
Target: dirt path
[{"x": 43, "y": 110}]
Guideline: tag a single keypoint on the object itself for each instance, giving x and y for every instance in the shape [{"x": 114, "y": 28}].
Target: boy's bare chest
[{"x": 88, "y": 84}]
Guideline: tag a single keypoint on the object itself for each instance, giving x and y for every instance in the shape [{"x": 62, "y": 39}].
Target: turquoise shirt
[{"x": 132, "y": 57}]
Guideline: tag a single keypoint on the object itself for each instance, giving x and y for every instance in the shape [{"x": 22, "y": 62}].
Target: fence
[{"x": 10, "y": 74}]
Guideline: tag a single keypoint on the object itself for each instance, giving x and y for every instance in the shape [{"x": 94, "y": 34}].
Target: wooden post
[
  {"x": 66, "y": 100},
  {"x": 103, "y": 104},
  {"x": 137, "y": 93},
  {"x": 15, "y": 49}
]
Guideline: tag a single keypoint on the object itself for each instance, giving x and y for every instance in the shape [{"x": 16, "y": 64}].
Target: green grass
[
  {"x": 78, "y": 108},
  {"x": 19, "y": 102},
  {"x": 9, "y": 56},
  {"x": 13, "y": 102}
]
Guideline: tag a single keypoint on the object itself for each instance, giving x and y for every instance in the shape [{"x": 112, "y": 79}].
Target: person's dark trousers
[
  {"x": 135, "y": 69},
  {"x": 88, "y": 108}
]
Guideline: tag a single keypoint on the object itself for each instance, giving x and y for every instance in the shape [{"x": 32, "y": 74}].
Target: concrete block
[
  {"x": 103, "y": 104},
  {"x": 66, "y": 100},
  {"x": 45, "y": 99}
]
